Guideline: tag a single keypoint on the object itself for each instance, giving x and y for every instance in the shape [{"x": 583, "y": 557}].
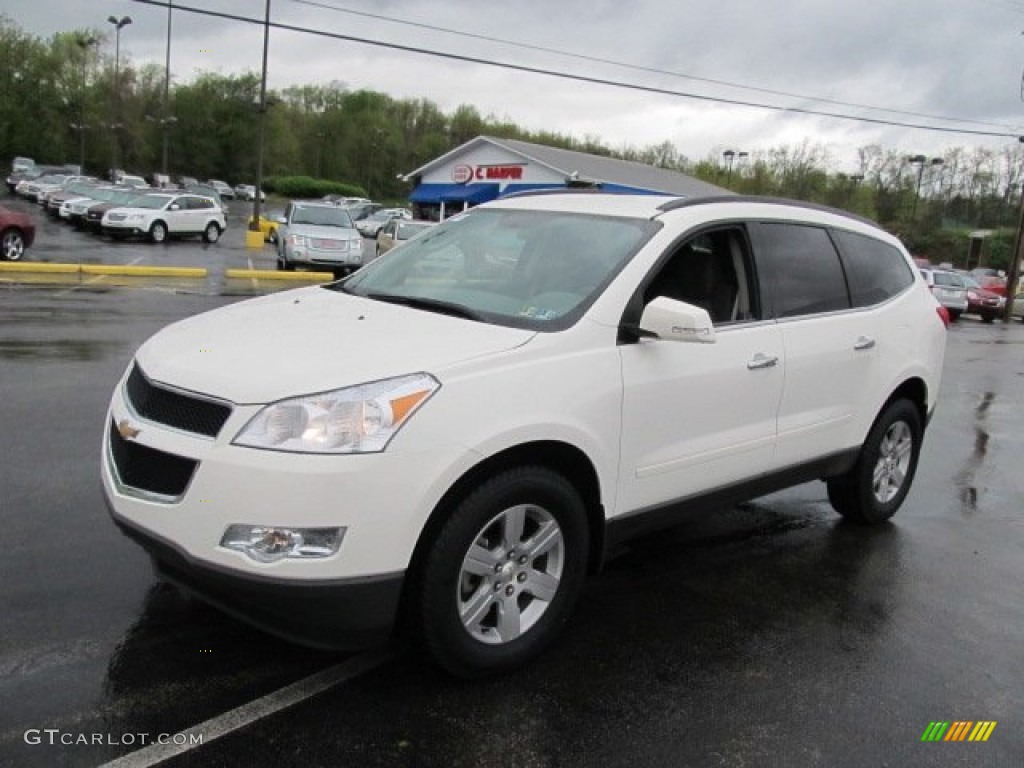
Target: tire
[
  {"x": 12, "y": 245},
  {"x": 212, "y": 232},
  {"x": 158, "y": 232},
  {"x": 272, "y": 236},
  {"x": 504, "y": 572},
  {"x": 283, "y": 265},
  {"x": 988, "y": 317},
  {"x": 954, "y": 315},
  {"x": 876, "y": 486}
]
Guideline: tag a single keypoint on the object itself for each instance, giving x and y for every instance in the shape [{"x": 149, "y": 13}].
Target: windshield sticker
[{"x": 535, "y": 313}]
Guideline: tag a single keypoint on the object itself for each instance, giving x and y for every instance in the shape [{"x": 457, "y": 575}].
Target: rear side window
[
  {"x": 876, "y": 271},
  {"x": 801, "y": 266}
]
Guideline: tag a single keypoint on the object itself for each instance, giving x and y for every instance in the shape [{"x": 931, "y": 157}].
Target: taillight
[{"x": 943, "y": 315}]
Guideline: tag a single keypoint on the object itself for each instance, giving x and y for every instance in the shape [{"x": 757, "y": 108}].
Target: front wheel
[
  {"x": 212, "y": 232},
  {"x": 158, "y": 232},
  {"x": 504, "y": 573},
  {"x": 12, "y": 246},
  {"x": 876, "y": 486}
]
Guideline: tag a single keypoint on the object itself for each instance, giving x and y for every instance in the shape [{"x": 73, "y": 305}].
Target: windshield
[
  {"x": 322, "y": 216},
  {"x": 527, "y": 269}
]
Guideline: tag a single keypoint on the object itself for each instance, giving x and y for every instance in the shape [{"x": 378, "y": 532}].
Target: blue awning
[{"x": 454, "y": 193}]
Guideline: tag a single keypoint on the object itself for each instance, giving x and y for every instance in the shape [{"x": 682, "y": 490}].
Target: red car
[
  {"x": 984, "y": 301},
  {"x": 17, "y": 232}
]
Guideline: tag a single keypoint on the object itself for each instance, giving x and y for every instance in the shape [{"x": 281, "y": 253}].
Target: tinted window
[
  {"x": 801, "y": 265},
  {"x": 875, "y": 270}
]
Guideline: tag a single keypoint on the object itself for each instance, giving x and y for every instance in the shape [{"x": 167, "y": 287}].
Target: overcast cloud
[{"x": 956, "y": 58}]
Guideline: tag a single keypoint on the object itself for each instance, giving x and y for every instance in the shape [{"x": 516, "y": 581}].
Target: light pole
[
  {"x": 119, "y": 24},
  {"x": 80, "y": 126},
  {"x": 920, "y": 161},
  {"x": 1013, "y": 273},
  {"x": 254, "y": 223},
  {"x": 167, "y": 87},
  {"x": 731, "y": 155}
]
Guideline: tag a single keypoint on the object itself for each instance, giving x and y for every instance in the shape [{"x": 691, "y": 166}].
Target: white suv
[
  {"x": 166, "y": 215},
  {"x": 458, "y": 433}
]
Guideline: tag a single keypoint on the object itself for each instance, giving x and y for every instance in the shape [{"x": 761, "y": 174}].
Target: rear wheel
[
  {"x": 158, "y": 232},
  {"x": 988, "y": 317},
  {"x": 954, "y": 315},
  {"x": 12, "y": 245},
  {"x": 876, "y": 486},
  {"x": 504, "y": 573},
  {"x": 212, "y": 232}
]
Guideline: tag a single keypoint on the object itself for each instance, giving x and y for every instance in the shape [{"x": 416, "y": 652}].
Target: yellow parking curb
[
  {"x": 138, "y": 271},
  {"x": 101, "y": 269},
  {"x": 29, "y": 266},
  {"x": 270, "y": 274}
]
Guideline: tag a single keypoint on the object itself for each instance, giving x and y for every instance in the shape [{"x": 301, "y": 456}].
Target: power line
[
  {"x": 639, "y": 67},
  {"x": 574, "y": 77}
]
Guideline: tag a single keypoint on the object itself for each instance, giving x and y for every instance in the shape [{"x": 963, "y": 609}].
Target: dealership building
[{"x": 486, "y": 168}]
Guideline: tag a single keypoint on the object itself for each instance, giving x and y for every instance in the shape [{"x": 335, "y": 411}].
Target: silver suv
[{"x": 319, "y": 235}]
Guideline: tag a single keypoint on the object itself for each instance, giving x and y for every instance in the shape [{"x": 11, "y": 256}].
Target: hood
[
  {"x": 312, "y": 340},
  {"x": 323, "y": 232}
]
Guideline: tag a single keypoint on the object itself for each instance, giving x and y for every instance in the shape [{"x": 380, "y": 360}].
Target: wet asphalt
[{"x": 770, "y": 634}]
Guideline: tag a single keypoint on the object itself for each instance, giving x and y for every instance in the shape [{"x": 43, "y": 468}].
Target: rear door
[{"x": 831, "y": 351}]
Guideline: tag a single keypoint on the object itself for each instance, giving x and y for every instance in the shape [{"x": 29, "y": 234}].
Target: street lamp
[
  {"x": 124, "y": 21},
  {"x": 163, "y": 122},
  {"x": 254, "y": 223},
  {"x": 167, "y": 87},
  {"x": 730, "y": 156},
  {"x": 83, "y": 43},
  {"x": 920, "y": 161}
]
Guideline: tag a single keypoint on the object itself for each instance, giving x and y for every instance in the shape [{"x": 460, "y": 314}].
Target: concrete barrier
[
  {"x": 101, "y": 269},
  {"x": 270, "y": 274}
]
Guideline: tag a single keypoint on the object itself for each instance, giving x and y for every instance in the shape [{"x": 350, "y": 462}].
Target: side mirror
[
  {"x": 280, "y": 219},
  {"x": 674, "y": 320}
]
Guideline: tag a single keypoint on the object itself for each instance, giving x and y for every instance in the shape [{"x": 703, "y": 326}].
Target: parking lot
[{"x": 767, "y": 634}]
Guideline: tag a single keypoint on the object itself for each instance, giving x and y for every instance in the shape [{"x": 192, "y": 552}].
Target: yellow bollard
[{"x": 253, "y": 239}]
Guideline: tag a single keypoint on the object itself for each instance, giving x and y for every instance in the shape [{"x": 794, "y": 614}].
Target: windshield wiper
[{"x": 431, "y": 305}]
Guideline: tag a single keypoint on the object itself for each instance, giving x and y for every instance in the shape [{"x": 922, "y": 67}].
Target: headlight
[
  {"x": 357, "y": 244},
  {"x": 299, "y": 240},
  {"x": 359, "y": 419}
]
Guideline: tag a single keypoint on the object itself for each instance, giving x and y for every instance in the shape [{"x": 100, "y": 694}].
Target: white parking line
[{"x": 246, "y": 714}]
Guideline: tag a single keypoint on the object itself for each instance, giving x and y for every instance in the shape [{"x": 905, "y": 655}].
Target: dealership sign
[{"x": 462, "y": 174}]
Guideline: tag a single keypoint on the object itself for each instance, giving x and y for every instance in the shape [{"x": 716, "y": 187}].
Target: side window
[
  {"x": 712, "y": 271},
  {"x": 875, "y": 270},
  {"x": 801, "y": 265}
]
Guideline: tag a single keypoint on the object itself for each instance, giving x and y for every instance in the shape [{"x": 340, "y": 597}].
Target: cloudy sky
[{"x": 921, "y": 59}]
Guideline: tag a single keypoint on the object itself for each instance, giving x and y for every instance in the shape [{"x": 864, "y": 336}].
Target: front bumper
[{"x": 346, "y": 614}]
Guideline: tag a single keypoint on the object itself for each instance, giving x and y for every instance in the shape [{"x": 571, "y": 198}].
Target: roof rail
[{"x": 673, "y": 205}]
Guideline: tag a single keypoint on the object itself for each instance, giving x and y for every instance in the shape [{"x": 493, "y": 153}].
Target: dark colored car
[
  {"x": 94, "y": 216},
  {"x": 17, "y": 233}
]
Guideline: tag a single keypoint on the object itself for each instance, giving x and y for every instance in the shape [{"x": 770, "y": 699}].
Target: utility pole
[
  {"x": 1013, "y": 273},
  {"x": 254, "y": 223}
]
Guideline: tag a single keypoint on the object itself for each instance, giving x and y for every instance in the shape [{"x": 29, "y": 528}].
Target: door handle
[
  {"x": 762, "y": 361},
  {"x": 863, "y": 342}
]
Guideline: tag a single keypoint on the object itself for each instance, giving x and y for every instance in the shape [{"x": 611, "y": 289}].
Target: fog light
[{"x": 267, "y": 544}]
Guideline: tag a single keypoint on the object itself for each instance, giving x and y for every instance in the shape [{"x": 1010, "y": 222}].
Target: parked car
[
  {"x": 162, "y": 215},
  {"x": 370, "y": 226},
  {"x": 207, "y": 191},
  {"x": 268, "y": 223},
  {"x": 982, "y": 302},
  {"x": 398, "y": 231},
  {"x": 223, "y": 189},
  {"x": 248, "y": 192},
  {"x": 949, "y": 289},
  {"x": 74, "y": 209},
  {"x": 70, "y": 191},
  {"x": 92, "y": 219},
  {"x": 317, "y": 234},
  {"x": 465, "y": 447},
  {"x": 17, "y": 233},
  {"x": 31, "y": 187},
  {"x": 22, "y": 164},
  {"x": 1017, "y": 310}
]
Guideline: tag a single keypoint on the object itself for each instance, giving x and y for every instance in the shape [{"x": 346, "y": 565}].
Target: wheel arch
[
  {"x": 563, "y": 458},
  {"x": 915, "y": 390}
]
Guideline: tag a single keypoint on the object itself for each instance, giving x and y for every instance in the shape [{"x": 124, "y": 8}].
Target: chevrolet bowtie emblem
[{"x": 127, "y": 430}]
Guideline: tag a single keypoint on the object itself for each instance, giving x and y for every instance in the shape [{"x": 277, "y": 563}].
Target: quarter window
[
  {"x": 801, "y": 265},
  {"x": 875, "y": 270}
]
